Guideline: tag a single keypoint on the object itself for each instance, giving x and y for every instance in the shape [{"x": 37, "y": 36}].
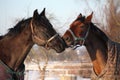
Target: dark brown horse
[
  {"x": 104, "y": 53},
  {"x": 16, "y": 44}
]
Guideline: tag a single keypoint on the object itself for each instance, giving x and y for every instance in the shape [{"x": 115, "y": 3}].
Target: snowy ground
[
  {"x": 35, "y": 75},
  {"x": 32, "y": 73}
]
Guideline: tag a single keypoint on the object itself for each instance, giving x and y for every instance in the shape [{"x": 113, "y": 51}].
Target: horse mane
[
  {"x": 1, "y": 37},
  {"x": 18, "y": 27},
  {"x": 99, "y": 32}
]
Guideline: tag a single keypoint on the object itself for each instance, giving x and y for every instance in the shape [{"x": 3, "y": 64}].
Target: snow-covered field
[
  {"x": 55, "y": 71},
  {"x": 35, "y": 75}
]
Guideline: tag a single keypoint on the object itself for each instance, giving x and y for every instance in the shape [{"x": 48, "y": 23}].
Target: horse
[
  {"x": 16, "y": 44},
  {"x": 104, "y": 53}
]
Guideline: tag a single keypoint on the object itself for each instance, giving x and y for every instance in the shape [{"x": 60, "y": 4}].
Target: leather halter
[
  {"x": 41, "y": 40},
  {"x": 77, "y": 39}
]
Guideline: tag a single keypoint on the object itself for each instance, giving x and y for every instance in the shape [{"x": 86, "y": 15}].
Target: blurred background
[{"x": 71, "y": 64}]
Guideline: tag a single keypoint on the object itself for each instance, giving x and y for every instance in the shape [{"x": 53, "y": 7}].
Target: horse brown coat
[
  {"x": 6, "y": 73},
  {"x": 112, "y": 69}
]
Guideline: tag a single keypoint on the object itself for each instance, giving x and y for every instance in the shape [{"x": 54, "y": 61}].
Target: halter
[
  {"x": 41, "y": 40},
  {"x": 77, "y": 39}
]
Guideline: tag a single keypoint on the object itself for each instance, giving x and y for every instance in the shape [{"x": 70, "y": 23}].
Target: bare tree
[
  {"x": 35, "y": 56},
  {"x": 107, "y": 17},
  {"x": 114, "y": 20}
]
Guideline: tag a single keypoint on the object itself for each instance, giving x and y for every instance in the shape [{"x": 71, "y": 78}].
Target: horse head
[
  {"x": 78, "y": 31},
  {"x": 43, "y": 33}
]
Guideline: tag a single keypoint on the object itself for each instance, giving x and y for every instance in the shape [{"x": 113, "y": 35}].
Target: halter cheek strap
[
  {"x": 49, "y": 40},
  {"x": 37, "y": 39},
  {"x": 34, "y": 37},
  {"x": 76, "y": 39}
]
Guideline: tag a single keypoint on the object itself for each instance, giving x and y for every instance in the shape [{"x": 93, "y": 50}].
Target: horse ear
[
  {"x": 88, "y": 19},
  {"x": 43, "y": 12},
  {"x": 35, "y": 15},
  {"x": 79, "y": 16}
]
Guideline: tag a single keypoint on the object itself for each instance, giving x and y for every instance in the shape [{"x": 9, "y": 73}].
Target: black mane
[
  {"x": 19, "y": 27},
  {"x": 1, "y": 37},
  {"x": 99, "y": 32},
  {"x": 95, "y": 29}
]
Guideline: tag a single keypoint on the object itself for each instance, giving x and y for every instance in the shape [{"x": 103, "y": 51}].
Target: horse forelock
[{"x": 82, "y": 19}]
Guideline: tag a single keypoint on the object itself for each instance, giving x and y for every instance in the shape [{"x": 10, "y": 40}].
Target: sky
[{"x": 64, "y": 11}]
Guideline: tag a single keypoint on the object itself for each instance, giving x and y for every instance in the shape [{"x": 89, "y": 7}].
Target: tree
[
  {"x": 114, "y": 19},
  {"x": 39, "y": 56},
  {"x": 107, "y": 17}
]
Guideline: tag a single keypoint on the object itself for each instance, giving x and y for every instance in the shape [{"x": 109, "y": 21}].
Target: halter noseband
[
  {"x": 41, "y": 40},
  {"x": 76, "y": 39}
]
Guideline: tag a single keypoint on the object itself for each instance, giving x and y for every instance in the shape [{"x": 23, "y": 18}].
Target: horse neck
[
  {"x": 97, "y": 49},
  {"x": 14, "y": 49}
]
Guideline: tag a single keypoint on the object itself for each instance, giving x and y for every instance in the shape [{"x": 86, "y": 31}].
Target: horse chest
[
  {"x": 7, "y": 74},
  {"x": 112, "y": 69}
]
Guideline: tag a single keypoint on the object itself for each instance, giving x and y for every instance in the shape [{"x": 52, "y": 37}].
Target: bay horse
[
  {"x": 104, "y": 53},
  {"x": 16, "y": 44}
]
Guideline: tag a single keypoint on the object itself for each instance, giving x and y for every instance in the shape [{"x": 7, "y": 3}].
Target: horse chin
[{"x": 60, "y": 50}]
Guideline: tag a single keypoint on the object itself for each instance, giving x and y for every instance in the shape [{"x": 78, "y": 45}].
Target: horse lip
[
  {"x": 59, "y": 51},
  {"x": 60, "y": 48}
]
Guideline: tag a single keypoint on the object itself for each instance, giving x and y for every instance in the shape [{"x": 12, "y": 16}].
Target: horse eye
[{"x": 68, "y": 39}]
